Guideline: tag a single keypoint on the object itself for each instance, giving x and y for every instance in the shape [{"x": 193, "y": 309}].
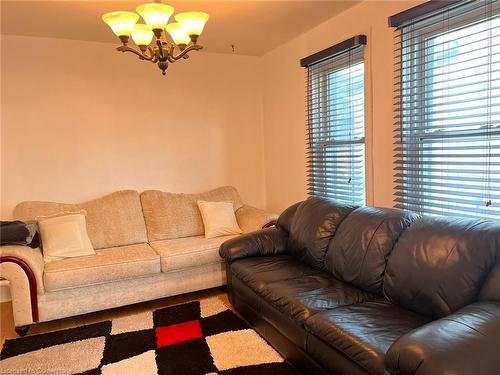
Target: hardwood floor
[{"x": 7, "y": 322}]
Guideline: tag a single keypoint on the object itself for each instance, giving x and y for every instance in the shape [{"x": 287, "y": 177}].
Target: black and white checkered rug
[{"x": 195, "y": 338}]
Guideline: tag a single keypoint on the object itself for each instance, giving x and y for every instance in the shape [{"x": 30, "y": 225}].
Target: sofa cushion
[
  {"x": 64, "y": 236},
  {"x": 112, "y": 264},
  {"x": 313, "y": 226},
  {"x": 257, "y": 272},
  {"x": 440, "y": 264},
  {"x": 171, "y": 215},
  {"x": 181, "y": 253},
  {"x": 364, "y": 332},
  {"x": 113, "y": 220},
  {"x": 302, "y": 297},
  {"x": 358, "y": 253},
  {"x": 218, "y": 219}
]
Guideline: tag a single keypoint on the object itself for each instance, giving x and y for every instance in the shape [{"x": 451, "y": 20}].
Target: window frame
[
  {"x": 322, "y": 82},
  {"x": 416, "y": 132}
]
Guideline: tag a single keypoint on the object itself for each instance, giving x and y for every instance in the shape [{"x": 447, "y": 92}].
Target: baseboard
[{"x": 4, "y": 291}]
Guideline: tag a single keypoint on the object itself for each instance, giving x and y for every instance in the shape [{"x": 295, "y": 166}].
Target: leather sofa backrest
[
  {"x": 313, "y": 226},
  {"x": 440, "y": 264},
  {"x": 491, "y": 288},
  {"x": 113, "y": 220},
  {"x": 286, "y": 217},
  {"x": 359, "y": 251}
]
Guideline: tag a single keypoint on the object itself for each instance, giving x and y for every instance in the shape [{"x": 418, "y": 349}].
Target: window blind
[
  {"x": 448, "y": 111},
  {"x": 336, "y": 122}
]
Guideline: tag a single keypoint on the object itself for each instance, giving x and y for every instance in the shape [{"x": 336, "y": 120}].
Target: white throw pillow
[
  {"x": 218, "y": 219},
  {"x": 64, "y": 235}
]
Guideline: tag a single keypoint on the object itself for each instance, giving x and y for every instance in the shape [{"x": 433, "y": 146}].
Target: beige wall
[
  {"x": 80, "y": 120},
  {"x": 83, "y": 123},
  {"x": 285, "y": 108}
]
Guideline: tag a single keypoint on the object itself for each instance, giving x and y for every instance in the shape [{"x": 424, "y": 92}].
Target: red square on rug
[{"x": 176, "y": 333}]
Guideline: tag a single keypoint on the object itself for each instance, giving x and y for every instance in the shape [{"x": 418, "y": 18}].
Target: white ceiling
[{"x": 254, "y": 27}]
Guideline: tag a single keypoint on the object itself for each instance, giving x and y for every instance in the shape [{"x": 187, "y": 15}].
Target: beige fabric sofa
[{"x": 148, "y": 246}]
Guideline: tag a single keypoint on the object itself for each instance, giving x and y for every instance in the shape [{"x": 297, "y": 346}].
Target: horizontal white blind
[
  {"x": 448, "y": 112},
  {"x": 336, "y": 127}
]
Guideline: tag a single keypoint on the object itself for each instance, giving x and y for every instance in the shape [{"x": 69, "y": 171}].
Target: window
[
  {"x": 336, "y": 122},
  {"x": 449, "y": 111}
]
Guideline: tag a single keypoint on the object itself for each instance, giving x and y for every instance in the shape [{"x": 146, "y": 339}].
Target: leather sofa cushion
[
  {"x": 113, "y": 220},
  {"x": 358, "y": 253},
  {"x": 333, "y": 361},
  {"x": 176, "y": 215},
  {"x": 259, "y": 271},
  {"x": 181, "y": 253},
  {"x": 290, "y": 338},
  {"x": 465, "y": 342},
  {"x": 440, "y": 264},
  {"x": 250, "y": 301},
  {"x": 313, "y": 226},
  {"x": 302, "y": 297},
  {"x": 294, "y": 289},
  {"x": 116, "y": 263},
  {"x": 364, "y": 332}
]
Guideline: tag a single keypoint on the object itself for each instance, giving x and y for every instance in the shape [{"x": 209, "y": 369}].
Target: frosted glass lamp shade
[
  {"x": 155, "y": 15},
  {"x": 192, "y": 22},
  {"x": 142, "y": 35},
  {"x": 178, "y": 34},
  {"x": 122, "y": 23}
]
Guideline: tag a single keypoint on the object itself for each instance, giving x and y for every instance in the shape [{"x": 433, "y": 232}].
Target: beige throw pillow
[
  {"x": 218, "y": 219},
  {"x": 64, "y": 235}
]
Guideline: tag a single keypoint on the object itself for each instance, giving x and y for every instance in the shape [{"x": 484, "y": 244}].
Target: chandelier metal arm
[
  {"x": 161, "y": 51},
  {"x": 159, "y": 44},
  {"x": 141, "y": 55},
  {"x": 183, "y": 54}
]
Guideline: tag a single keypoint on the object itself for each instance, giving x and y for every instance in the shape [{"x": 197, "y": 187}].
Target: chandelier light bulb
[
  {"x": 155, "y": 15},
  {"x": 178, "y": 34},
  {"x": 122, "y": 23},
  {"x": 192, "y": 22},
  {"x": 142, "y": 35}
]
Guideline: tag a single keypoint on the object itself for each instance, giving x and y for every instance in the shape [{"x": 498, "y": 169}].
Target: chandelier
[{"x": 184, "y": 33}]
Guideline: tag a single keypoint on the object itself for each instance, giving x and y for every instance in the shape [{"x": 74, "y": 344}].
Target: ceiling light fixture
[{"x": 184, "y": 33}]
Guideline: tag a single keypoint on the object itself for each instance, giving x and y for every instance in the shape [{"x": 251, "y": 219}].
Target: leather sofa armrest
[
  {"x": 250, "y": 218},
  {"x": 270, "y": 241},
  {"x": 465, "y": 342}
]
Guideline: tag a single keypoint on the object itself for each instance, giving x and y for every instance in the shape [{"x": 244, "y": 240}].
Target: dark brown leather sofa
[{"x": 344, "y": 290}]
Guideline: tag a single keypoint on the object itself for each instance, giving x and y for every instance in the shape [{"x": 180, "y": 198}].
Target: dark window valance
[
  {"x": 421, "y": 10},
  {"x": 334, "y": 50}
]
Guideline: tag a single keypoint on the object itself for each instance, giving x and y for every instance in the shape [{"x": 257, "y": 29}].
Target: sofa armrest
[
  {"x": 270, "y": 241},
  {"x": 465, "y": 342},
  {"x": 23, "y": 267},
  {"x": 32, "y": 257},
  {"x": 250, "y": 218}
]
